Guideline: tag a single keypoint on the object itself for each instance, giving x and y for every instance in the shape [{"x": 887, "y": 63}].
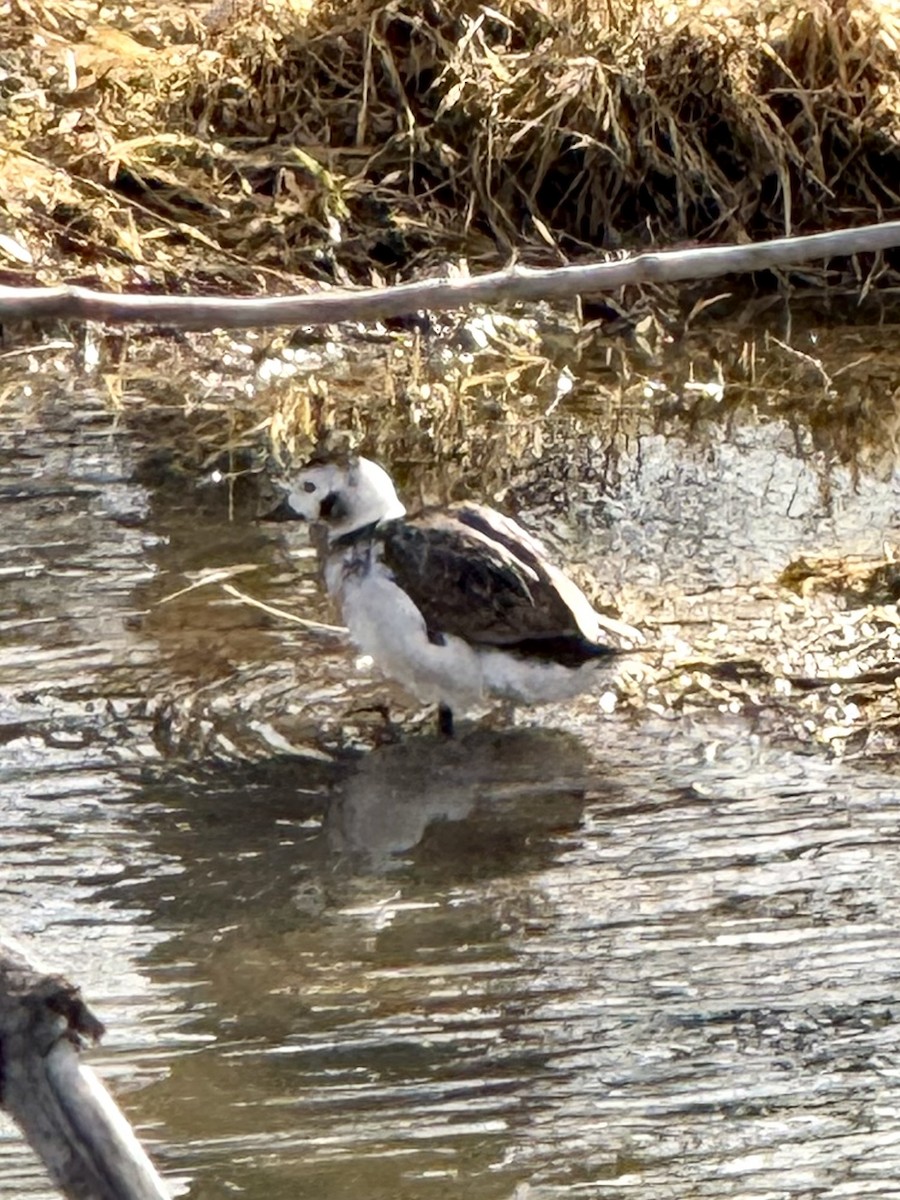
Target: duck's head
[{"x": 343, "y": 495}]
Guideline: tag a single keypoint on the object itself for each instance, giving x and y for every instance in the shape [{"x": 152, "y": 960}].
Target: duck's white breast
[{"x": 385, "y": 624}]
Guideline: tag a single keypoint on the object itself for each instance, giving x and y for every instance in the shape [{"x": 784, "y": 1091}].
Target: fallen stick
[
  {"x": 437, "y": 295},
  {"x": 71, "y": 1121}
]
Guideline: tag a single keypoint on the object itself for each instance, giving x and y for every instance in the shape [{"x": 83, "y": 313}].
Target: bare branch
[
  {"x": 89, "y": 1149},
  {"x": 437, "y": 295}
]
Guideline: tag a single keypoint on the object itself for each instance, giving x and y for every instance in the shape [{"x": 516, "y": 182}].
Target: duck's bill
[{"x": 283, "y": 511}]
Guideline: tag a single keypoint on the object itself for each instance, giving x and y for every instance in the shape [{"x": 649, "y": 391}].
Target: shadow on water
[
  {"x": 652, "y": 953},
  {"x": 463, "y": 788}
]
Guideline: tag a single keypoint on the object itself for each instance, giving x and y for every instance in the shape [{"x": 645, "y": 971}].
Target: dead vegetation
[{"x": 251, "y": 144}]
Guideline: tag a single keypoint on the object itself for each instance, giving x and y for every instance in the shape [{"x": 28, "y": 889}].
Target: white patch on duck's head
[{"x": 343, "y": 496}]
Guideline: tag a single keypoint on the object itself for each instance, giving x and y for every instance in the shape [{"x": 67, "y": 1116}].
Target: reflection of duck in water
[
  {"x": 460, "y": 605},
  {"x": 483, "y": 798}
]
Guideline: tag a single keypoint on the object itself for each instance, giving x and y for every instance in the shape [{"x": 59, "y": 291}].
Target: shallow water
[{"x": 652, "y": 953}]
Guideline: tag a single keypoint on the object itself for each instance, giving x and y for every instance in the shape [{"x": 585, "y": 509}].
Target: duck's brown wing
[{"x": 473, "y": 578}]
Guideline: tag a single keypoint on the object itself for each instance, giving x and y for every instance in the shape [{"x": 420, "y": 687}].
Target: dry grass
[{"x": 255, "y": 143}]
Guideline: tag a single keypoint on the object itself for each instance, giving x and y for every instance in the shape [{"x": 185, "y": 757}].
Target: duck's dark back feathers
[{"x": 475, "y": 574}]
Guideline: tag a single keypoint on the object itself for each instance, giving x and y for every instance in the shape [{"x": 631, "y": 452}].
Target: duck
[{"x": 460, "y": 605}]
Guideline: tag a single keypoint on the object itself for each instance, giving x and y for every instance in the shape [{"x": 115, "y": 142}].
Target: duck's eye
[{"x": 309, "y": 486}]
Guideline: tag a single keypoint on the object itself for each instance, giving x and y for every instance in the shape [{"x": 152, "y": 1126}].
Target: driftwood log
[
  {"x": 70, "y": 1120},
  {"x": 437, "y": 295}
]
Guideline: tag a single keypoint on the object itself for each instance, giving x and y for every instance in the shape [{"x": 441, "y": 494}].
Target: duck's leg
[{"x": 445, "y": 720}]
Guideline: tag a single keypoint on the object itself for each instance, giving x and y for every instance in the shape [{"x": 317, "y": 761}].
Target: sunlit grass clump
[{"x": 249, "y": 144}]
